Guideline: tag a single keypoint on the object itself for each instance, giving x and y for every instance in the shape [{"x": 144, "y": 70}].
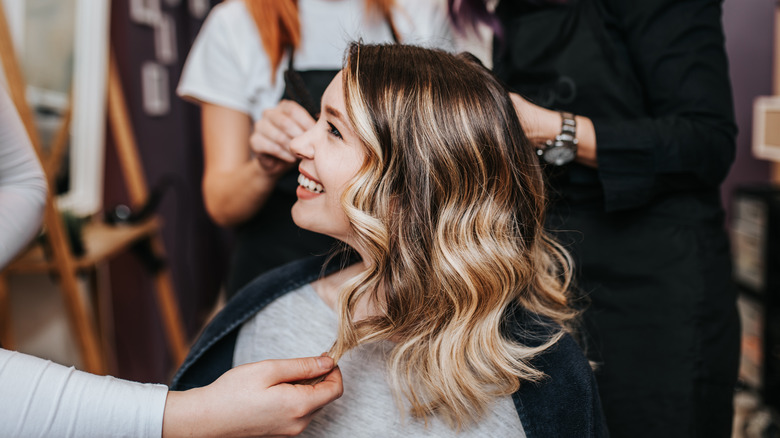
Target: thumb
[{"x": 291, "y": 370}]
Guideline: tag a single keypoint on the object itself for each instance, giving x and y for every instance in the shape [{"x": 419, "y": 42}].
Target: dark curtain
[{"x": 151, "y": 41}]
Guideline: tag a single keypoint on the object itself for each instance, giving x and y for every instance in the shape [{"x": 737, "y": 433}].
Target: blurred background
[{"x": 59, "y": 42}]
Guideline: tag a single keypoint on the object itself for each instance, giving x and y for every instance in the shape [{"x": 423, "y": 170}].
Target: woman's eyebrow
[{"x": 335, "y": 113}]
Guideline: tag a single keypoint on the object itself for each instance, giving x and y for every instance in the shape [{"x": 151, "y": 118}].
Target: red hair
[{"x": 279, "y": 25}]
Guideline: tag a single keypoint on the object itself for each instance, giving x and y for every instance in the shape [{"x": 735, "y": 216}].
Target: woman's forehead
[{"x": 334, "y": 94}]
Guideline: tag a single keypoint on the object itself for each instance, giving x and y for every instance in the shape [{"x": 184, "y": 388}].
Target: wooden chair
[{"x": 101, "y": 241}]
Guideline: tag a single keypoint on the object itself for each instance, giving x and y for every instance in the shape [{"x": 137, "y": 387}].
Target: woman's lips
[{"x": 308, "y": 187}]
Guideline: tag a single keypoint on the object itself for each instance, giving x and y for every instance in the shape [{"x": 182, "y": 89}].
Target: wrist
[
  {"x": 586, "y": 146},
  {"x": 174, "y": 418},
  {"x": 187, "y": 414},
  {"x": 561, "y": 149},
  {"x": 552, "y": 126},
  {"x": 542, "y": 125}
]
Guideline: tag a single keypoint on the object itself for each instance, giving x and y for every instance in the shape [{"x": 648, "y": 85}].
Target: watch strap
[
  {"x": 565, "y": 140},
  {"x": 568, "y": 128}
]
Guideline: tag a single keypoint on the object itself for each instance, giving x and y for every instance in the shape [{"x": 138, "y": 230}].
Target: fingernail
[{"x": 325, "y": 362}]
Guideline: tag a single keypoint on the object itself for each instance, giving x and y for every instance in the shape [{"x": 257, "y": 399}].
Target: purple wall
[
  {"x": 168, "y": 140},
  {"x": 749, "y": 26}
]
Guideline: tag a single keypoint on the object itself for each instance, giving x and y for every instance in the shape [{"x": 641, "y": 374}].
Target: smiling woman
[{"x": 456, "y": 315}]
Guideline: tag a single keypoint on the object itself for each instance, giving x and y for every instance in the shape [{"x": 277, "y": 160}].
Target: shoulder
[
  {"x": 565, "y": 403},
  {"x": 228, "y": 11},
  {"x": 226, "y": 64},
  {"x": 229, "y": 20},
  {"x": 564, "y": 359}
]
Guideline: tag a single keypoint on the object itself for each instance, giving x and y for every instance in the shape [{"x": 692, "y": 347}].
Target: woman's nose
[{"x": 302, "y": 145}]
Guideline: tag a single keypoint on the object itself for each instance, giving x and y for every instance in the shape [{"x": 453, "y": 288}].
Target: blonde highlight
[{"x": 448, "y": 208}]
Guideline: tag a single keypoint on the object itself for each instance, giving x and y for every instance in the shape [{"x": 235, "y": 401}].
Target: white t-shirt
[
  {"x": 228, "y": 66},
  {"x": 41, "y": 398}
]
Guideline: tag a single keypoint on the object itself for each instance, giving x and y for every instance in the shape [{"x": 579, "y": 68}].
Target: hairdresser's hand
[
  {"x": 270, "y": 140},
  {"x": 541, "y": 124},
  {"x": 252, "y": 400}
]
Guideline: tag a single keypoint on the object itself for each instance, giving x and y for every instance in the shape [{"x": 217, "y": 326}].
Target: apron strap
[
  {"x": 295, "y": 88},
  {"x": 294, "y": 85}
]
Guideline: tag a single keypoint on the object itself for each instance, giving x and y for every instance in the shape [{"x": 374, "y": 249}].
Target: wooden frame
[
  {"x": 101, "y": 241},
  {"x": 766, "y": 128},
  {"x": 85, "y": 126},
  {"x": 774, "y": 177}
]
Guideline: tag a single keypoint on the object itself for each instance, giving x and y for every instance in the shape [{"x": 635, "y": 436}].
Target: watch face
[{"x": 559, "y": 155}]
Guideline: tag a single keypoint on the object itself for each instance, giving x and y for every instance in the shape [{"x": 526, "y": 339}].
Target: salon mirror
[{"x": 62, "y": 49}]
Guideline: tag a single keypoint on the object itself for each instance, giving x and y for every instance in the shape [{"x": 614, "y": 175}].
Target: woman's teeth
[{"x": 309, "y": 185}]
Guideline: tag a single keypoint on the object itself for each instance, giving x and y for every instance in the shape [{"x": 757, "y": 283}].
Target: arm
[
  {"x": 542, "y": 124},
  {"x": 687, "y": 140},
  {"x": 229, "y": 76},
  {"x": 235, "y": 186},
  {"x": 684, "y": 138},
  {"x": 41, "y": 398},
  {"x": 22, "y": 184}
]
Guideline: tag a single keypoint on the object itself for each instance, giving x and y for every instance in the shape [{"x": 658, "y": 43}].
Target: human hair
[
  {"x": 448, "y": 208},
  {"x": 279, "y": 25},
  {"x": 467, "y": 15}
]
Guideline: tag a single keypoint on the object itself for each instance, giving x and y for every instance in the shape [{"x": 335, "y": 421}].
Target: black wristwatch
[{"x": 563, "y": 149}]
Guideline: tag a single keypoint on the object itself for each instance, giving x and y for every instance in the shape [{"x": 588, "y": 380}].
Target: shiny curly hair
[{"x": 448, "y": 207}]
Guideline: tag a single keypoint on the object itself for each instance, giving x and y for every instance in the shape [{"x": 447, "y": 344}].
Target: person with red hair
[{"x": 266, "y": 63}]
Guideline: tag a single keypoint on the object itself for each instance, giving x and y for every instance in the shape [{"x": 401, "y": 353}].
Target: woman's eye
[{"x": 333, "y": 131}]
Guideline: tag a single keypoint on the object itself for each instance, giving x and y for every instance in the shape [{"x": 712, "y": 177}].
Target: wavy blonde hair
[{"x": 448, "y": 207}]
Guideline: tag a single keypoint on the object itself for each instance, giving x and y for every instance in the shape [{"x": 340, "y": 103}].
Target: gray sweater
[{"x": 301, "y": 324}]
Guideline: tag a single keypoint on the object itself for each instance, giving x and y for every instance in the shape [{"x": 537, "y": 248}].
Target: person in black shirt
[{"x": 644, "y": 86}]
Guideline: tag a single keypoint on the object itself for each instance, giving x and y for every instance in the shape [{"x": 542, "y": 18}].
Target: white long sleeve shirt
[
  {"x": 39, "y": 398},
  {"x": 22, "y": 184}
]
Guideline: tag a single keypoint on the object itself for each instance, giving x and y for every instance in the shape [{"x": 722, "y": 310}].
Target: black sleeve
[{"x": 687, "y": 141}]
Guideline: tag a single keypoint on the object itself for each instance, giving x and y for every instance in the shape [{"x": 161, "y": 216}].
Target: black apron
[
  {"x": 659, "y": 314},
  {"x": 271, "y": 238}
]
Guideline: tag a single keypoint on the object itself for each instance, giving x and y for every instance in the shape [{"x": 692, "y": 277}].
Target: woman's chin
[
  {"x": 306, "y": 220},
  {"x": 312, "y": 218},
  {"x": 297, "y": 215}
]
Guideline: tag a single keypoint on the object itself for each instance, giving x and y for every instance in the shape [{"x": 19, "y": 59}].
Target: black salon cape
[{"x": 563, "y": 405}]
